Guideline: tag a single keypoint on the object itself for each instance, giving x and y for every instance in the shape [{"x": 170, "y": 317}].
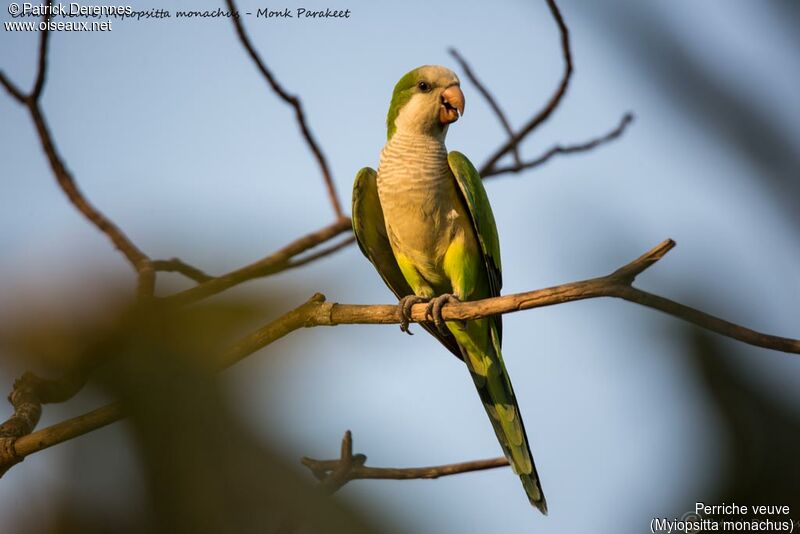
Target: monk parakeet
[{"x": 424, "y": 221}]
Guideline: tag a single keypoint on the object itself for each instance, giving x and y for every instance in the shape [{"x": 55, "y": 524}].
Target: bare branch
[
  {"x": 317, "y": 312},
  {"x": 12, "y": 89},
  {"x": 322, "y": 253},
  {"x": 274, "y": 263},
  {"x": 409, "y": 473},
  {"x": 341, "y": 470},
  {"x": 559, "y": 149},
  {"x": 333, "y": 474},
  {"x": 293, "y": 101},
  {"x": 27, "y": 410},
  {"x": 489, "y": 99},
  {"x": 41, "y": 72},
  {"x": 551, "y": 105},
  {"x": 490, "y": 168},
  {"x": 176, "y": 265},
  {"x": 140, "y": 262},
  {"x": 628, "y": 272},
  {"x": 61, "y": 432},
  {"x": 134, "y": 255},
  {"x": 302, "y": 316},
  {"x": 27, "y": 396},
  {"x": 616, "y": 285}
]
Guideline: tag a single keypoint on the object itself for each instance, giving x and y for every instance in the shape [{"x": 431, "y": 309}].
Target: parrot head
[{"x": 425, "y": 101}]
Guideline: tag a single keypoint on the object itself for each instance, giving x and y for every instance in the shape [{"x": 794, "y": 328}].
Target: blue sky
[{"x": 171, "y": 131}]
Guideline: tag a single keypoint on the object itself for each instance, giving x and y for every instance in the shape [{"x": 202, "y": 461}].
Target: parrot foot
[
  {"x": 405, "y": 305},
  {"x": 434, "y": 310}
]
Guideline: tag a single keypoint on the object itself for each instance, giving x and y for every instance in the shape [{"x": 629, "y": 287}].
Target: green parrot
[{"x": 424, "y": 221}]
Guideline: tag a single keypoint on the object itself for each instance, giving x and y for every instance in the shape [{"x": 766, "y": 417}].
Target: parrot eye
[{"x": 424, "y": 87}]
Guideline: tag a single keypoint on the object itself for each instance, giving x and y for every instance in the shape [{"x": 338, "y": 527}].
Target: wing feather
[{"x": 477, "y": 202}]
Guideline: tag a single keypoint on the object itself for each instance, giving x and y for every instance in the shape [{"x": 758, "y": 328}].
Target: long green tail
[{"x": 481, "y": 349}]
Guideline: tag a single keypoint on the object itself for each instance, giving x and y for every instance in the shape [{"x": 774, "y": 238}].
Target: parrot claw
[
  {"x": 434, "y": 311},
  {"x": 405, "y": 305}
]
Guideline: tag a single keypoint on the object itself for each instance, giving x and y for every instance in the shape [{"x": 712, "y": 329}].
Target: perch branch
[
  {"x": 317, "y": 312},
  {"x": 568, "y": 149},
  {"x": 293, "y": 101},
  {"x": 551, "y": 105},
  {"x": 333, "y": 474}
]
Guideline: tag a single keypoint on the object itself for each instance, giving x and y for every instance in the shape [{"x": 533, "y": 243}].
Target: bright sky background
[{"x": 172, "y": 132}]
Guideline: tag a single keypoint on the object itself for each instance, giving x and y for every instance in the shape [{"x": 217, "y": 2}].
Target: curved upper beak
[{"x": 452, "y": 104}]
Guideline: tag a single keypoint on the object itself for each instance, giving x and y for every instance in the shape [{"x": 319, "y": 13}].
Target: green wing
[
  {"x": 495, "y": 387},
  {"x": 474, "y": 195},
  {"x": 370, "y": 230}
]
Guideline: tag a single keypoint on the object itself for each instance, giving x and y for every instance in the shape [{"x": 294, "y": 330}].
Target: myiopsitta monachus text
[{"x": 425, "y": 223}]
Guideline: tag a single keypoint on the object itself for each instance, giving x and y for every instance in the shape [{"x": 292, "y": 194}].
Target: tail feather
[
  {"x": 513, "y": 440},
  {"x": 532, "y": 488},
  {"x": 494, "y": 388}
]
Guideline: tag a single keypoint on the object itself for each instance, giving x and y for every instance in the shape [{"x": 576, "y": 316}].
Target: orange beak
[{"x": 452, "y": 105}]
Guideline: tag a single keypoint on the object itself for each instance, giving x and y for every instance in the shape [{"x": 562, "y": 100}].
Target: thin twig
[
  {"x": 489, "y": 99},
  {"x": 409, "y": 473},
  {"x": 41, "y": 72},
  {"x": 333, "y": 474},
  {"x": 322, "y": 253},
  {"x": 551, "y": 105},
  {"x": 293, "y": 101},
  {"x": 568, "y": 149},
  {"x": 318, "y": 312},
  {"x": 12, "y": 89},
  {"x": 276, "y": 262},
  {"x": 138, "y": 259},
  {"x": 176, "y": 265}
]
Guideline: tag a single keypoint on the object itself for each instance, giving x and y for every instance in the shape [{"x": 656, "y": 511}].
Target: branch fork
[{"x": 333, "y": 474}]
